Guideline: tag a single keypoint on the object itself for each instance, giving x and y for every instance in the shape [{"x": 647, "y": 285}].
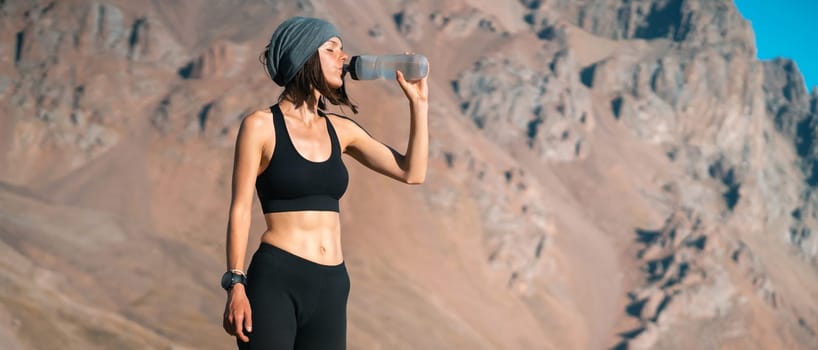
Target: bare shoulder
[
  {"x": 256, "y": 120},
  {"x": 256, "y": 124}
]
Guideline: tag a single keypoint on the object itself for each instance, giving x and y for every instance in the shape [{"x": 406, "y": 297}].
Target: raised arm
[{"x": 409, "y": 168}]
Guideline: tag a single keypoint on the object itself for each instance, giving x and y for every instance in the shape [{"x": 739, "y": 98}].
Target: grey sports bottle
[{"x": 370, "y": 67}]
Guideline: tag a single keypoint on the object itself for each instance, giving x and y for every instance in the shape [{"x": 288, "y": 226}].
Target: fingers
[
  {"x": 239, "y": 332},
  {"x": 248, "y": 321},
  {"x": 237, "y": 319},
  {"x": 227, "y": 320},
  {"x": 227, "y": 325},
  {"x": 405, "y": 85}
]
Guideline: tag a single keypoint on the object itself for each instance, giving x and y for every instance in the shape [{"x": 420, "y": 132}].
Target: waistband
[{"x": 296, "y": 262}]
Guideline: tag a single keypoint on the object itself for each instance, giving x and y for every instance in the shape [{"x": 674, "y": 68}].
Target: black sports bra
[{"x": 292, "y": 183}]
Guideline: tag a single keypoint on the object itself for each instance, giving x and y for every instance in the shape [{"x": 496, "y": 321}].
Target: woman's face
[{"x": 332, "y": 61}]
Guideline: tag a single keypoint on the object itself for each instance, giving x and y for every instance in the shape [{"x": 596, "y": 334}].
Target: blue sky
[{"x": 786, "y": 28}]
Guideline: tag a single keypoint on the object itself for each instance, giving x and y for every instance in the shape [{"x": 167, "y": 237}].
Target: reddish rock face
[{"x": 602, "y": 175}]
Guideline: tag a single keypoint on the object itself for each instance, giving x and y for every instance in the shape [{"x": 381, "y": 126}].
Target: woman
[{"x": 295, "y": 291}]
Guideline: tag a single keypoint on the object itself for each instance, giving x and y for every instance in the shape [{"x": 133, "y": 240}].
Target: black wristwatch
[{"x": 231, "y": 277}]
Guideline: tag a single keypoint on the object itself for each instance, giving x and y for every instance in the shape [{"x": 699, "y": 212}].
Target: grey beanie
[{"x": 292, "y": 44}]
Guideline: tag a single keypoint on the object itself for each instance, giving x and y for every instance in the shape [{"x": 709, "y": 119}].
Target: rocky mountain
[{"x": 603, "y": 175}]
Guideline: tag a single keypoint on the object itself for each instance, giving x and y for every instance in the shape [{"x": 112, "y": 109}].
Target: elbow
[
  {"x": 414, "y": 175},
  {"x": 240, "y": 212},
  {"x": 418, "y": 180}
]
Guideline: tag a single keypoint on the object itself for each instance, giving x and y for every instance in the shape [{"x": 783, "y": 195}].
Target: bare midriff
[{"x": 312, "y": 235}]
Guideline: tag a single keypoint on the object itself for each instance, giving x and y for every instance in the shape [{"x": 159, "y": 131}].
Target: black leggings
[{"x": 295, "y": 303}]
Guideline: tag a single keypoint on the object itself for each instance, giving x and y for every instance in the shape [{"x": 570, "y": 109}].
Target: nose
[{"x": 344, "y": 56}]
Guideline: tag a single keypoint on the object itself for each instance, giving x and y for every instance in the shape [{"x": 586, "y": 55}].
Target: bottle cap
[{"x": 351, "y": 67}]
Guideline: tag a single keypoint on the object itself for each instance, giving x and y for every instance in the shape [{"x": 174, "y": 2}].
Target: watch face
[{"x": 227, "y": 279}]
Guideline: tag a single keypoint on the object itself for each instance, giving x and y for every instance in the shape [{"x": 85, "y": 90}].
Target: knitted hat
[{"x": 293, "y": 43}]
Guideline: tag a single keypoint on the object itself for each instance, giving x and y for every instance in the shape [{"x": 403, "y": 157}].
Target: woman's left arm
[{"x": 409, "y": 168}]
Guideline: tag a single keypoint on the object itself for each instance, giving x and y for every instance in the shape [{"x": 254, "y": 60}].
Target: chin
[{"x": 335, "y": 83}]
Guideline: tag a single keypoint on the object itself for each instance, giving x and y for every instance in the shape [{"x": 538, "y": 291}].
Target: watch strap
[{"x": 230, "y": 278}]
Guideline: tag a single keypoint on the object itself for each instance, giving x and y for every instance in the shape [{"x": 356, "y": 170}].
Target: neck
[{"x": 307, "y": 112}]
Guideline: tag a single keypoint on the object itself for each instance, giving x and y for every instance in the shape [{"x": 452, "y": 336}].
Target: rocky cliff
[{"x": 603, "y": 174}]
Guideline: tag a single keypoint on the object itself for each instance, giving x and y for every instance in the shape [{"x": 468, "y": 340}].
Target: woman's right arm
[{"x": 246, "y": 162}]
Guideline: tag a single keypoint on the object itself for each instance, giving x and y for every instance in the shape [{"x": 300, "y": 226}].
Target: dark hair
[{"x": 299, "y": 89}]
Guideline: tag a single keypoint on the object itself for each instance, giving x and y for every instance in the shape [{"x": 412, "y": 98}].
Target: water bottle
[{"x": 369, "y": 67}]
